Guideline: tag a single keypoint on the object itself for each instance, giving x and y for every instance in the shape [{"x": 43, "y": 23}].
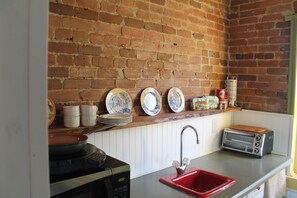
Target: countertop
[{"x": 248, "y": 171}]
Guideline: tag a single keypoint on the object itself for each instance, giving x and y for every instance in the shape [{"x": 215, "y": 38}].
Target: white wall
[
  {"x": 154, "y": 147},
  {"x": 23, "y": 127}
]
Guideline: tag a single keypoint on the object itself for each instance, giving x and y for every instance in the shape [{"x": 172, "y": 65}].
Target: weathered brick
[
  {"x": 60, "y": 47},
  {"x": 136, "y": 63},
  {"x": 77, "y": 84},
  {"x": 54, "y": 84},
  {"x": 82, "y": 60},
  {"x": 125, "y": 11},
  {"x": 125, "y": 83},
  {"x": 153, "y": 26},
  {"x": 58, "y": 72},
  {"x": 89, "y": 50},
  {"x": 82, "y": 72},
  {"x": 68, "y": 96},
  {"x": 91, "y": 95},
  {"x": 65, "y": 60},
  {"x": 85, "y": 14},
  {"x": 110, "y": 18},
  {"x": 61, "y": 9},
  {"x": 132, "y": 73},
  {"x": 80, "y": 36},
  {"x": 103, "y": 84},
  {"x": 132, "y": 32},
  {"x": 63, "y": 34},
  {"x": 108, "y": 73},
  {"x": 131, "y": 22},
  {"x": 128, "y": 53},
  {"x": 159, "y": 2},
  {"x": 103, "y": 62},
  {"x": 143, "y": 83}
]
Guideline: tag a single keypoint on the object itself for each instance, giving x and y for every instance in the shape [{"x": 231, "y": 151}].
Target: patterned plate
[
  {"x": 51, "y": 111},
  {"x": 118, "y": 101},
  {"x": 150, "y": 101},
  {"x": 176, "y": 99}
]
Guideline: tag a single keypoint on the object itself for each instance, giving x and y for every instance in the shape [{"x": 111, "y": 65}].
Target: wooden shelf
[{"x": 143, "y": 121}]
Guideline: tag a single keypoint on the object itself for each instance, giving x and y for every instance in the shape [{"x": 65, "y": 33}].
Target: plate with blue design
[
  {"x": 118, "y": 101},
  {"x": 176, "y": 99}
]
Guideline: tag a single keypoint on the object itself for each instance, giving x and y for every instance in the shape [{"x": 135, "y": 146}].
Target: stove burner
[{"x": 88, "y": 160}]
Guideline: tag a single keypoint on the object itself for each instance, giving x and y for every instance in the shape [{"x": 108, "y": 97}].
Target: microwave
[
  {"x": 83, "y": 178},
  {"x": 256, "y": 144}
]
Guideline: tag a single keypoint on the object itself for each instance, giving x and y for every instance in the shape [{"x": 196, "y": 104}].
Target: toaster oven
[{"x": 257, "y": 144}]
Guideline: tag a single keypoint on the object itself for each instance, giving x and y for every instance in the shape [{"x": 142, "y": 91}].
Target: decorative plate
[
  {"x": 176, "y": 99},
  {"x": 118, "y": 101},
  {"x": 151, "y": 101},
  {"x": 51, "y": 111}
]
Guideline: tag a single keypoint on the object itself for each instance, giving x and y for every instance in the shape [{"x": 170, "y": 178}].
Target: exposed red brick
[
  {"x": 85, "y": 14},
  {"x": 58, "y": 72},
  {"x": 132, "y": 73},
  {"x": 61, "y": 96},
  {"x": 125, "y": 83},
  {"x": 110, "y": 18},
  {"x": 54, "y": 84},
  {"x": 128, "y": 53},
  {"x": 82, "y": 60},
  {"x": 108, "y": 73},
  {"x": 168, "y": 30},
  {"x": 131, "y": 22},
  {"x": 65, "y": 60},
  {"x": 153, "y": 26},
  {"x": 63, "y": 34},
  {"x": 195, "y": 4},
  {"x": 76, "y": 84},
  {"x": 89, "y": 50},
  {"x": 159, "y": 2},
  {"x": 60, "y": 47},
  {"x": 143, "y": 83},
  {"x": 61, "y": 9},
  {"x": 103, "y": 84}
]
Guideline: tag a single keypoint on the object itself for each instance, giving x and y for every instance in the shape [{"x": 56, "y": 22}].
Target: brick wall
[
  {"x": 259, "y": 52},
  {"x": 97, "y": 45}
]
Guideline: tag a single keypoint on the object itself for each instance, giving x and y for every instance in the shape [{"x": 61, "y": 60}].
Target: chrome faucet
[{"x": 184, "y": 162}]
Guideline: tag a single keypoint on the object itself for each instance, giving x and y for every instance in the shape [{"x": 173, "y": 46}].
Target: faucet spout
[{"x": 182, "y": 167}]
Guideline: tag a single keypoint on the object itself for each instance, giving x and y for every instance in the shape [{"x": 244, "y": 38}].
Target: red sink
[{"x": 197, "y": 182}]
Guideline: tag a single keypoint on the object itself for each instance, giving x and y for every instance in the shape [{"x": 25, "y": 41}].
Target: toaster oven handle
[
  {"x": 240, "y": 141},
  {"x": 108, "y": 187}
]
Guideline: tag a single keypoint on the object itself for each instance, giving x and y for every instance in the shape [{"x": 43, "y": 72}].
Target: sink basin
[{"x": 198, "y": 182}]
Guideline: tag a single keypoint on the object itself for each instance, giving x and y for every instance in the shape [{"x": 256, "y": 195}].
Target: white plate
[
  {"x": 176, "y": 99},
  {"x": 151, "y": 101},
  {"x": 118, "y": 101}
]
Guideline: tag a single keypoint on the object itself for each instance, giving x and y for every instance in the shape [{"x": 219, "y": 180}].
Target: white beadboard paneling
[
  {"x": 154, "y": 147},
  {"x": 281, "y": 124}
]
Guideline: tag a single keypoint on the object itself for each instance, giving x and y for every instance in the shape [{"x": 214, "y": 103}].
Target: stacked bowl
[{"x": 115, "y": 119}]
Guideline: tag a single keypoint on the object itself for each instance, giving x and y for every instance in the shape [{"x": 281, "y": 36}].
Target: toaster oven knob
[
  {"x": 257, "y": 144},
  {"x": 258, "y": 138},
  {"x": 256, "y": 150}
]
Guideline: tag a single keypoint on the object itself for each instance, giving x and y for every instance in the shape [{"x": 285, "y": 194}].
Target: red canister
[{"x": 222, "y": 94}]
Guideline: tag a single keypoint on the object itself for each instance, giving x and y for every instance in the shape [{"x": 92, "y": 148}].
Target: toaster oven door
[{"x": 239, "y": 141}]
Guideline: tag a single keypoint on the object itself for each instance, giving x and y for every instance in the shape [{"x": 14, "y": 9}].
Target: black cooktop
[{"x": 90, "y": 160}]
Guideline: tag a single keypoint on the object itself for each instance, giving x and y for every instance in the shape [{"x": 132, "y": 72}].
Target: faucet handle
[
  {"x": 186, "y": 161},
  {"x": 175, "y": 164}
]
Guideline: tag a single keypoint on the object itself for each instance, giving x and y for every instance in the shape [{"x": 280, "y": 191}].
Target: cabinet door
[{"x": 257, "y": 193}]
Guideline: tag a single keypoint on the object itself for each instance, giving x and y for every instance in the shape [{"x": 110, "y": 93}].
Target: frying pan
[{"x": 66, "y": 143}]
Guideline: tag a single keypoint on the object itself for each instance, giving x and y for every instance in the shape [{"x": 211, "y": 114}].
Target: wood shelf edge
[{"x": 144, "y": 120}]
